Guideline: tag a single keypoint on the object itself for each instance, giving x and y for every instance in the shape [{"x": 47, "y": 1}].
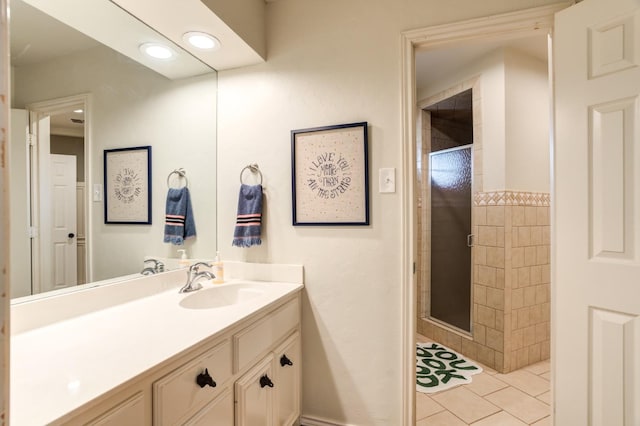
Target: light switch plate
[
  {"x": 97, "y": 192},
  {"x": 387, "y": 180}
]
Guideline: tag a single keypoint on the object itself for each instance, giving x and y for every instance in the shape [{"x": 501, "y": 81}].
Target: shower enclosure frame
[{"x": 423, "y": 149}]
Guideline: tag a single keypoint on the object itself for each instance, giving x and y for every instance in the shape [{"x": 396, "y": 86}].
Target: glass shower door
[{"x": 451, "y": 174}]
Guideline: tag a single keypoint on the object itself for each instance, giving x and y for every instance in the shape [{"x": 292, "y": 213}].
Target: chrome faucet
[
  {"x": 158, "y": 266},
  {"x": 194, "y": 275}
]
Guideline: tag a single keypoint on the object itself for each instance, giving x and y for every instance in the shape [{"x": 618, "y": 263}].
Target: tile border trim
[{"x": 512, "y": 198}]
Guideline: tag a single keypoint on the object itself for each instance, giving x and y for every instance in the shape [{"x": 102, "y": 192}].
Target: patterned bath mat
[{"x": 439, "y": 368}]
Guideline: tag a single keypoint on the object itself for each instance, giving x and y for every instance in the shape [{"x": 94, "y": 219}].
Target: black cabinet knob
[
  {"x": 204, "y": 379},
  {"x": 285, "y": 361},
  {"x": 265, "y": 381},
  {"x": 71, "y": 235}
]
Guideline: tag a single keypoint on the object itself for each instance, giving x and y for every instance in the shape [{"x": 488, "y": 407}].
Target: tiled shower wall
[{"x": 511, "y": 283}]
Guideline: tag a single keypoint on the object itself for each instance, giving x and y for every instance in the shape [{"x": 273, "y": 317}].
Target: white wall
[
  {"x": 132, "y": 106},
  {"x": 514, "y": 119},
  {"x": 330, "y": 63},
  {"x": 527, "y": 123}
]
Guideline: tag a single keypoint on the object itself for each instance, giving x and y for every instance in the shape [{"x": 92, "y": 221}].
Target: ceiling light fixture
[
  {"x": 78, "y": 111},
  {"x": 201, "y": 40},
  {"x": 157, "y": 50}
]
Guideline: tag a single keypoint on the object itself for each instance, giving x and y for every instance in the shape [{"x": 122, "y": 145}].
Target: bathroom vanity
[{"x": 228, "y": 354}]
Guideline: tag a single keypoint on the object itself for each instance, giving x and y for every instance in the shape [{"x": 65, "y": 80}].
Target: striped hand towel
[
  {"x": 249, "y": 219},
  {"x": 179, "y": 224}
]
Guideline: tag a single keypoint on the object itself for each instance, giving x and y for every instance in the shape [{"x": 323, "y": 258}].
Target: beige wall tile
[
  {"x": 541, "y": 293},
  {"x": 487, "y": 236},
  {"x": 500, "y": 236},
  {"x": 486, "y": 316},
  {"x": 541, "y": 332},
  {"x": 530, "y": 257},
  {"x": 517, "y": 339},
  {"x": 518, "y": 216},
  {"x": 454, "y": 341},
  {"x": 523, "y": 318},
  {"x": 524, "y": 277},
  {"x": 542, "y": 255},
  {"x": 479, "y": 333},
  {"x": 495, "y": 257},
  {"x": 500, "y": 282},
  {"x": 542, "y": 215},
  {"x": 480, "y": 294},
  {"x": 544, "y": 350},
  {"x": 517, "y": 257},
  {"x": 495, "y": 339},
  {"x": 469, "y": 348},
  {"x": 536, "y": 275},
  {"x": 487, "y": 276},
  {"x": 536, "y": 314},
  {"x": 495, "y": 215},
  {"x": 534, "y": 353},
  {"x": 536, "y": 235},
  {"x": 524, "y": 235},
  {"x": 499, "y": 361},
  {"x": 530, "y": 215},
  {"x": 522, "y": 357},
  {"x": 486, "y": 356},
  {"x": 546, "y": 235},
  {"x": 546, "y": 274},
  {"x": 479, "y": 255},
  {"x": 500, "y": 321},
  {"x": 495, "y": 298},
  {"x": 517, "y": 298},
  {"x": 529, "y": 296},
  {"x": 529, "y": 335}
]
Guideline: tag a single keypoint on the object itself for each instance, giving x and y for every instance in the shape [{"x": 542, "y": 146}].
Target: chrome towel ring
[
  {"x": 253, "y": 168},
  {"x": 182, "y": 174}
]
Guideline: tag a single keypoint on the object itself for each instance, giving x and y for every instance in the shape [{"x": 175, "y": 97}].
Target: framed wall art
[
  {"x": 330, "y": 175},
  {"x": 127, "y": 185}
]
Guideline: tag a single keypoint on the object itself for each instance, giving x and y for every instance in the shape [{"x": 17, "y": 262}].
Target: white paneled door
[
  {"x": 596, "y": 345},
  {"x": 63, "y": 221}
]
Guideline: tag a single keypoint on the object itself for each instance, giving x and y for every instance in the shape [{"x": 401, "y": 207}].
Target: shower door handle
[{"x": 470, "y": 240}]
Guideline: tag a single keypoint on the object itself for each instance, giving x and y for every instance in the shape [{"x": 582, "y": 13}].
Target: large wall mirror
[{"x": 80, "y": 97}]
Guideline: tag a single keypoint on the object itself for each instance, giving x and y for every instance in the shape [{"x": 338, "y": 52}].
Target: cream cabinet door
[
  {"x": 255, "y": 396},
  {"x": 287, "y": 370},
  {"x": 218, "y": 412}
]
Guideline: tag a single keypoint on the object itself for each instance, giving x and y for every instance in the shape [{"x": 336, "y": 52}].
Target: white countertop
[{"x": 59, "y": 367}]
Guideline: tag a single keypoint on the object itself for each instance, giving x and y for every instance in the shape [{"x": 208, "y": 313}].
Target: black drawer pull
[
  {"x": 204, "y": 379},
  {"x": 265, "y": 381},
  {"x": 285, "y": 361}
]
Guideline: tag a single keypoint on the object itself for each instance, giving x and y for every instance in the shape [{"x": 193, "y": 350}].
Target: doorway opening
[
  {"x": 58, "y": 201},
  {"x": 499, "y": 194}
]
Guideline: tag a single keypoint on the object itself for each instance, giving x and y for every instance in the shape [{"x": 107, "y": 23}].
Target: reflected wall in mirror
[{"x": 55, "y": 71}]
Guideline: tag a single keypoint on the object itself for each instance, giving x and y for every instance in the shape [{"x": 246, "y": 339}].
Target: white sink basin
[{"x": 225, "y": 295}]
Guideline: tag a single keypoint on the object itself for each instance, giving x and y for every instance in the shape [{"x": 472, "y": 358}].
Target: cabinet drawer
[
  {"x": 177, "y": 395},
  {"x": 252, "y": 342}
]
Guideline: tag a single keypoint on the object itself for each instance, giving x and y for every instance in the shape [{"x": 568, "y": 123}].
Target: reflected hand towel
[
  {"x": 179, "y": 224},
  {"x": 249, "y": 218}
]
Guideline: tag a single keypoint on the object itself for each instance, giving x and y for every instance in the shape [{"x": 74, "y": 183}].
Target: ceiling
[{"x": 436, "y": 64}]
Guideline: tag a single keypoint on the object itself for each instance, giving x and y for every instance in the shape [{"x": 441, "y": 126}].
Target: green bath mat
[{"x": 439, "y": 368}]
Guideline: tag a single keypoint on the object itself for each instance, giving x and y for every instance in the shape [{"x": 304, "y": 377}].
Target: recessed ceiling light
[
  {"x": 201, "y": 40},
  {"x": 78, "y": 111},
  {"x": 156, "y": 50}
]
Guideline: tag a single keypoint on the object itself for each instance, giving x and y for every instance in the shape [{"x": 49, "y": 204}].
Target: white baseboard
[{"x": 318, "y": 421}]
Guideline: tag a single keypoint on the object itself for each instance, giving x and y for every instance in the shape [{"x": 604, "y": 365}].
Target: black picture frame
[
  {"x": 330, "y": 175},
  {"x": 127, "y": 185}
]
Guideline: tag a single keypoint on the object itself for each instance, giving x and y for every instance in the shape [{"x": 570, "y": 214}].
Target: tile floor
[{"x": 491, "y": 399}]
